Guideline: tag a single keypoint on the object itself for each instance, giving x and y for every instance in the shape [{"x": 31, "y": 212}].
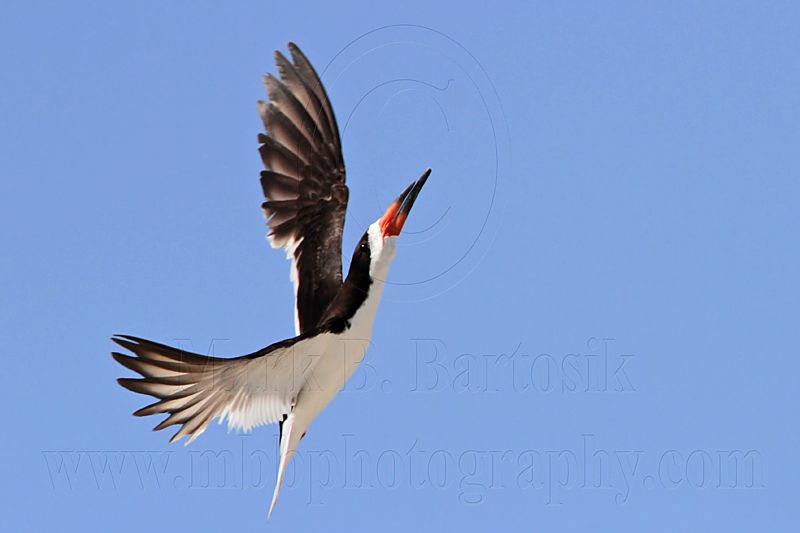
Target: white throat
[{"x": 382, "y": 252}]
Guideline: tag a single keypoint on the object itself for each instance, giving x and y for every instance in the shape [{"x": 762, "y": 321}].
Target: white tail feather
[{"x": 288, "y": 445}]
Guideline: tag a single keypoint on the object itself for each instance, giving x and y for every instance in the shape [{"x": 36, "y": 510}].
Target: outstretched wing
[
  {"x": 304, "y": 183},
  {"x": 193, "y": 389}
]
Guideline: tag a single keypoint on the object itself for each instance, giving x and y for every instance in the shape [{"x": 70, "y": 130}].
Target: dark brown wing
[
  {"x": 248, "y": 391},
  {"x": 304, "y": 183}
]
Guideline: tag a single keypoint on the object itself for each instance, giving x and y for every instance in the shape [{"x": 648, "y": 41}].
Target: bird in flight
[{"x": 291, "y": 381}]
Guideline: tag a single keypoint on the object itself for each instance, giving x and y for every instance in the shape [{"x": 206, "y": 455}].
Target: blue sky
[{"x": 592, "y": 321}]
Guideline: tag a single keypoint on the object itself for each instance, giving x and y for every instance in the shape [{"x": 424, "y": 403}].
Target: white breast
[
  {"x": 341, "y": 359},
  {"x": 346, "y": 350}
]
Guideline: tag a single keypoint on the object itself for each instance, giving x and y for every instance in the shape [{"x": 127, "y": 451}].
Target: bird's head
[{"x": 376, "y": 249}]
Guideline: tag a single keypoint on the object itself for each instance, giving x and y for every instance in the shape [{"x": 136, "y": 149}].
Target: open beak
[{"x": 392, "y": 221}]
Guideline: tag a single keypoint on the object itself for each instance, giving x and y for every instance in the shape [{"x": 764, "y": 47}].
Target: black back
[{"x": 354, "y": 291}]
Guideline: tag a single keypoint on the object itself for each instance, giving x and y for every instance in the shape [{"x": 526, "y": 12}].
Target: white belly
[{"x": 338, "y": 363}]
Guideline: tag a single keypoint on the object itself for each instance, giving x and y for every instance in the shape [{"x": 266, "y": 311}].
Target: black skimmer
[{"x": 289, "y": 382}]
